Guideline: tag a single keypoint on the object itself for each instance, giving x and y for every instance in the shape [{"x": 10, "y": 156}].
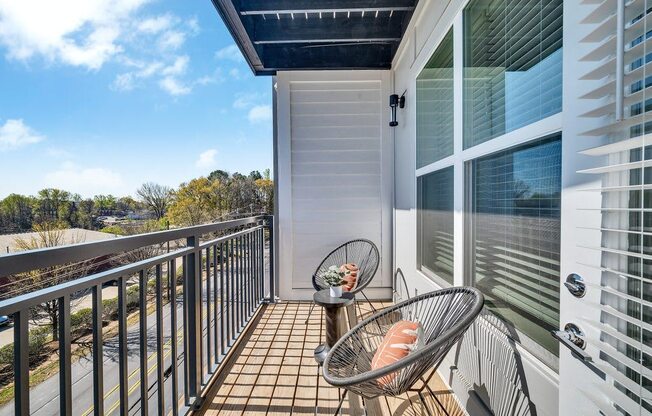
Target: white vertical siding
[{"x": 339, "y": 185}]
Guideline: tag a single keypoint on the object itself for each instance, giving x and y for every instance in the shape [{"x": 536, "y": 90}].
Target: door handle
[
  {"x": 575, "y": 285},
  {"x": 572, "y": 337}
]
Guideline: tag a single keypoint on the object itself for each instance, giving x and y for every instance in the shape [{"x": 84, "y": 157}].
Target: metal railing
[{"x": 224, "y": 280}]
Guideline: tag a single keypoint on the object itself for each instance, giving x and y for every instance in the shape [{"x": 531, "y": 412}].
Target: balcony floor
[{"x": 273, "y": 372}]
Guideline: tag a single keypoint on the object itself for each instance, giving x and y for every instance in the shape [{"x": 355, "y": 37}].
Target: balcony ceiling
[{"x": 276, "y": 35}]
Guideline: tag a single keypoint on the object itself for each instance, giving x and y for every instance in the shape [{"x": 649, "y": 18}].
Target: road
[
  {"x": 109, "y": 292},
  {"x": 44, "y": 398}
]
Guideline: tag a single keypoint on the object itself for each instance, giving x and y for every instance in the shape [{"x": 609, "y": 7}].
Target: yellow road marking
[{"x": 133, "y": 374}]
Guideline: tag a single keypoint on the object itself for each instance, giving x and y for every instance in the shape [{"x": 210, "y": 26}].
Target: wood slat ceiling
[{"x": 316, "y": 34}]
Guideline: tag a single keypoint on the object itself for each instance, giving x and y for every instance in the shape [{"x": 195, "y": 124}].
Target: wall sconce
[{"x": 395, "y": 101}]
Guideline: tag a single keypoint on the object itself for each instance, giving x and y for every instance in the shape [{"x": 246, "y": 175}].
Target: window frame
[
  {"x": 522, "y": 135},
  {"x": 529, "y": 344}
]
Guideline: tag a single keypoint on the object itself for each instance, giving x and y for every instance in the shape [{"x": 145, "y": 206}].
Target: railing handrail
[{"x": 24, "y": 261}]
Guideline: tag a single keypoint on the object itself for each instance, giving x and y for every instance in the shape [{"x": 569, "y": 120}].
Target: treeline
[{"x": 216, "y": 197}]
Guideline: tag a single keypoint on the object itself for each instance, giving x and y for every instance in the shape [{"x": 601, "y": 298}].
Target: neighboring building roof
[
  {"x": 70, "y": 236},
  {"x": 276, "y": 35}
]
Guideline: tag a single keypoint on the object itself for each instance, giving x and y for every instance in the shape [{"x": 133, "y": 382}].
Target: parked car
[{"x": 4, "y": 320}]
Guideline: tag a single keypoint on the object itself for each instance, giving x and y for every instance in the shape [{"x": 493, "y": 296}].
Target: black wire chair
[
  {"x": 363, "y": 253},
  {"x": 398, "y": 291},
  {"x": 445, "y": 316}
]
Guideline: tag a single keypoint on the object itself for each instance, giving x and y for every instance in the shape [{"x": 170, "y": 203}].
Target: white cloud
[
  {"x": 193, "y": 25},
  {"x": 155, "y": 25},
  {"x": 260, "y": 114},
  {"x": 244, "y": 100},
  {"x": 85, "y": 181},
  {"x": 123, "y": 82},
  {"x": 171, "y": 40},
  {"x": 150, "y": 69},
  {"x": 230, "y": 52},
  {"x": 179, "y": 66},
  {"x": 59, "y": 153},
  {"x": 75, "y": 32},
  {"x": 206, "y": 159},
  {"x": 236, "y": 74},
  {"x": 15, "y": 133},
  {"x": 173, "y": 86}
]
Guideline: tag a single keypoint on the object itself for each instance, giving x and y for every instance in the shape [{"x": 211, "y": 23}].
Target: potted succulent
[{"x": 333, "y": 278}]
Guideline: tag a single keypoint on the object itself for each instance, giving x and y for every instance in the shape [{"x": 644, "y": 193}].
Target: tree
[
  {"x": 255, "y": 175},
  {"x": 265, "y": 194},
  {"x": 16, "y": 214},
  {"x": 52, "y": 205},
  {"x": 218, "y": 175},
  {"x": 48, "y": 234},
  {"x": 194, "y": 203},
  {"x": 105, "y": 204},
  {"x": 85, "y": 212},
  {"x": 127, "y": 204},
  {"x": 156, "y": 197}
]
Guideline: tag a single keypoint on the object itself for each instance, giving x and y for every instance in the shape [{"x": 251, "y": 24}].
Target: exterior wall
[
  {"x": 489, "y": 372},
  {"x": 335, "y": 171}
]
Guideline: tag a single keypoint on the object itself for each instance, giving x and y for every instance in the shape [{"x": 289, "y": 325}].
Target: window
[
  {"x": 513, "y": 213},
  {"x": 435, "y": 224},
  {"x": 512, "y": 65},
  {"x": 435, "y": 105}
]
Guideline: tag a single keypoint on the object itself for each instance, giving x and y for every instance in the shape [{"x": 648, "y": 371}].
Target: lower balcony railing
[{"x": 178, "y": 312}]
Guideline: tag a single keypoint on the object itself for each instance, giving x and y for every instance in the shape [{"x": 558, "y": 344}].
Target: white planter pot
[{"x": 336, "y": 291}]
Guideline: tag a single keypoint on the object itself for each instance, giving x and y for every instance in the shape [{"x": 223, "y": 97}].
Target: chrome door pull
[
  {"x": 575, "y": 285},
  {"x": 573, "y": 338}
]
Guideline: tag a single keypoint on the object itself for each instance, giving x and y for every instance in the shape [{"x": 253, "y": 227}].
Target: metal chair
[
  {"x": 363, "y": 253},
  {"x": 445, "y": 316}
]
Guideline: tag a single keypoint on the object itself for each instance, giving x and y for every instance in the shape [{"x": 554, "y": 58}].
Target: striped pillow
[
  {"x": 350, "y": 278},
  {"x": 402, "y": 338}
]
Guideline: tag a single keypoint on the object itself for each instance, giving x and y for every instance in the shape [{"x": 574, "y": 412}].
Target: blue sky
[{"x": 99, "y": 96}]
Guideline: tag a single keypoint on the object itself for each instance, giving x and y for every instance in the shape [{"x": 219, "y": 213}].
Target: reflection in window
[
  {"x": 512, "y": 65},
  {"x": 435, "y": 224},
  {"x": 514, "y": 243},
  {"x": 435, "y": 105}
]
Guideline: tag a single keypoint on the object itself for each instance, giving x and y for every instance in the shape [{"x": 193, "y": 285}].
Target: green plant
[
  {"x": 333, "y": 276},
  {"x": 81, "y": 321},
  {"x": 110, "y": 307}
]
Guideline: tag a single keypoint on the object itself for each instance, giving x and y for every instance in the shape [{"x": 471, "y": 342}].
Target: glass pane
[
  {"x": 435, "y": 224},
  {"x": 515, "y": 235},
  {"x": 512, "y": 65},
  {"x": 435, "y": 105}
]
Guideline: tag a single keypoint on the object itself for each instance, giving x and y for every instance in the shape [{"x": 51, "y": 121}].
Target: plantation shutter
[{"x": 620, "y": 46}]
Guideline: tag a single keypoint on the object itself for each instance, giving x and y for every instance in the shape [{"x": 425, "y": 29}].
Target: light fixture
[{"x": 395, "y": 101}]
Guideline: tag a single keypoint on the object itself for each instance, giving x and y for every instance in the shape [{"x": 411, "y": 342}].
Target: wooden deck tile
[{"x": 275, "y": 372}]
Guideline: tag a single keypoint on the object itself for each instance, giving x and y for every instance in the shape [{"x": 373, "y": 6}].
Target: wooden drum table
[{"x": 335, "y": 319}]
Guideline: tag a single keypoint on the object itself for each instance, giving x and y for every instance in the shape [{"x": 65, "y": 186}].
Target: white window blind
[
  {"x": 512, "y": 65},
  {"x": 619, "y": 44}
]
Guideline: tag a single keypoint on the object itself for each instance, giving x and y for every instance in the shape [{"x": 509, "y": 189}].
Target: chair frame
[
  {"x": 358, "y": 289},
  {"x": 451, "y": 335}
]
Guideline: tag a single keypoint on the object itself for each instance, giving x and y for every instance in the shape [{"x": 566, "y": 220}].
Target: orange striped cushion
[
  {"x": 401, "y": 339},
  {"x": 350, "y": 276}
]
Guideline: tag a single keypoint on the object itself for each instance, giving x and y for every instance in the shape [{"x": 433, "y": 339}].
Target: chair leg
[
  {"x": 425, "y": 404},
  {"x": 369, "y": 302},
  {"x": 339, "y": 406},
  {"x": 312, "y": 306},
  {"x": 317, "y": 394}
]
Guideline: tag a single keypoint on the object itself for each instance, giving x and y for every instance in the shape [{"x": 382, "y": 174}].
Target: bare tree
[
  {"x": 156, "y": 197},
  {"x": 48, "y": 234}
]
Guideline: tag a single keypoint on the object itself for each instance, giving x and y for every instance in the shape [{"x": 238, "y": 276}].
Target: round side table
[{"x": 333, "y": 315}]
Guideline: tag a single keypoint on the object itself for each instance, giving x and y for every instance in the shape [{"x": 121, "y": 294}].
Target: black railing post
[
  {"x": 194, "y": 331},
  {"x": 21, "y": 363},
  {"x": 272, "y": 277}
]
